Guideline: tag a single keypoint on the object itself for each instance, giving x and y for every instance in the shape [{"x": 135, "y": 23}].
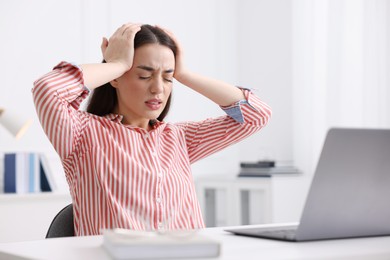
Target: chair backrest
[{"x": 62, "y": 224}]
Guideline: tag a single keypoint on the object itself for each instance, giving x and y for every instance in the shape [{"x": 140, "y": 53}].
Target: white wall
[
  {"x": 219, "y": 38},
  {"x": 341, "y": 68},
  {"x": 265, "y": 63},
  {"x": 305, "y": 58},
  {"x": 245, "y": 42},
  {"x": 35, "y": 36}
]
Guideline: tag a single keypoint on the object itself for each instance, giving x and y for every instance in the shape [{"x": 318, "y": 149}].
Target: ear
[{"x": 114, "y": 83}]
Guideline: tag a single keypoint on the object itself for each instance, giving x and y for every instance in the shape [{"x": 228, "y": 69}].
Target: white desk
[{"x": 233, "y": 247}]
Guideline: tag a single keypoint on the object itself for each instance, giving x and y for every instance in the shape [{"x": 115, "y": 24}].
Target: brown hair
[{"x": 103, "y": 99}]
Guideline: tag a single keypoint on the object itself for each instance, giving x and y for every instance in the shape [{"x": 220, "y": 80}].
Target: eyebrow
[{"x": 150, "y": 69}]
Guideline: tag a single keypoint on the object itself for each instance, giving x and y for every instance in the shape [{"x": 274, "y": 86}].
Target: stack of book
[
  {"x": 264, "y": 169},
  {"x": 27, "y": 172}
]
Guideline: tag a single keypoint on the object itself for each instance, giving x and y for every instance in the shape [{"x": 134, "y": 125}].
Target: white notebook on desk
[{"x": 130, "y": 244}]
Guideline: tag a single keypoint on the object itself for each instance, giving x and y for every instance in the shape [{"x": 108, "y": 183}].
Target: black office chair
[{"x": 62, "y": 224}]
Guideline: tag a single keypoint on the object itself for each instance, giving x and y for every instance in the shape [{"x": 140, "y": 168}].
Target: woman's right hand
[
  {"x": 120, "y": 47},
  {"x": 118, "y": 52}
]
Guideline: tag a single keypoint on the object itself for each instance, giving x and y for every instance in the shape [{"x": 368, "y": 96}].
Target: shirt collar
[
  {"x": 118, "y": 119},
  {"x": 114, "y": 117}
]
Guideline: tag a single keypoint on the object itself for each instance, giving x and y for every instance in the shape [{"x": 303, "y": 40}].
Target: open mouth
[{"x": 154, "y": 104}]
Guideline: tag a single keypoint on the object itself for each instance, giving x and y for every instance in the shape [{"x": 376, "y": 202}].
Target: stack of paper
[{"x": 129, "y": 244}]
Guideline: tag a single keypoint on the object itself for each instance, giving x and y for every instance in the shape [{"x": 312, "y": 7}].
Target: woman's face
[{"x": 143, "y": 91}]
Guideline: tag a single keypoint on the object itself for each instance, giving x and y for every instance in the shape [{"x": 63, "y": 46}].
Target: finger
[
  {"x": 127, "y": 26},
  {"x": 131, "y": 29},
  {"x": 172, "y": 36},
  {"x": 104, "y": 44},
  {"x": 166, "y": 31},
  {"x": 121, "y": 30}
]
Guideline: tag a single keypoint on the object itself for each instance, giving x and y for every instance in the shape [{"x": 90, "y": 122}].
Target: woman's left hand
[
  {"x": 180, "y": 70},
  {"x": 220, "y": 92}
]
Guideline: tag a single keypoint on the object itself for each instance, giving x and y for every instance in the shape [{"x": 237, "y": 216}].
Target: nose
[{"x": 157, "y": 86}]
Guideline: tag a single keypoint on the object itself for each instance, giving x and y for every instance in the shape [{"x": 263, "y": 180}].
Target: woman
[{"x": 125, "y": 166}]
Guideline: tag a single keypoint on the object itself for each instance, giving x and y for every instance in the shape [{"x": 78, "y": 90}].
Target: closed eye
[{"x": 144, "y": 77}]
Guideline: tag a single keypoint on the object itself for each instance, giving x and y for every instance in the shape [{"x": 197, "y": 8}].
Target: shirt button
[
  {"x": 160, "y": 226},
  {"x": 158, "y": 200},
  {"x": 159, "y": 175}
]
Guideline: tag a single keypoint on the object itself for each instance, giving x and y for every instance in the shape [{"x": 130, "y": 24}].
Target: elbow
[
  {"x": 265, "y": 116},
  {"x": 259, "y": 115}
]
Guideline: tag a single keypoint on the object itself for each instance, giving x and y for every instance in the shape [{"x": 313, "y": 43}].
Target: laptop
[{"x": 349, "y": 194}]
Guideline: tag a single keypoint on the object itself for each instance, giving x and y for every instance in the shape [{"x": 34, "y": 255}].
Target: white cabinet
[
  {"x": 231, "y": 201},
  {"x": 28, "y": 216},
  {"x": 235, "y": 201}
]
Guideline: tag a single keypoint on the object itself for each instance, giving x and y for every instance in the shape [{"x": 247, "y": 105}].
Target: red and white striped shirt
[{"x": 124, "y": 176}]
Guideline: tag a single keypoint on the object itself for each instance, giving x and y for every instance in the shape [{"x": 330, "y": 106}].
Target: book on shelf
[
  {"x": 34, "y": 179},
  {"x": 48, "y": 182},
  {"x": 130, "y": 244},
  {"x": 27, "y": 172},
  {"x": 10, "y": 173}
]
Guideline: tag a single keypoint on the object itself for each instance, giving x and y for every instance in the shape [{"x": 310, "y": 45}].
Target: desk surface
[{"x": 233, "y": 247}]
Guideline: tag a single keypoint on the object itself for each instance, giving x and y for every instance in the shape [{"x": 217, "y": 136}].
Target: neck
[{"x": 142, "y": 124}]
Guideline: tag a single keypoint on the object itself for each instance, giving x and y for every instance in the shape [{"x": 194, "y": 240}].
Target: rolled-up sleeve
[
  {"x": 244, "y": 118},
  {"x": 249, "y": 110},
  {"x": 57, "y": 97}
]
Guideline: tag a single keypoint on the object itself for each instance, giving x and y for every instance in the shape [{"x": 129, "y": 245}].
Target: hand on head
[
  {"x": 179, "y": 59},
  {"x": 120, "y": 47}
]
